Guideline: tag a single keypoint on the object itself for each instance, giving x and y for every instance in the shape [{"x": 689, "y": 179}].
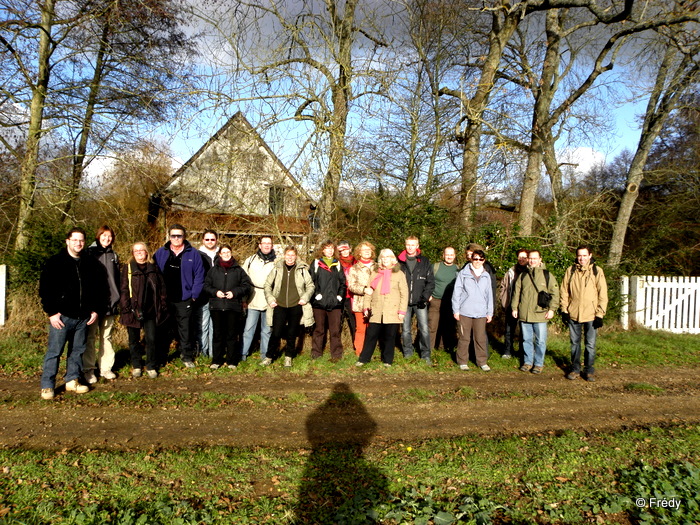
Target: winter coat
[
  {"x": 494, "y": 279},
  {"x": 305, "y": 287},
  {"x": 359, "y": 278},
  {"x": 524, "y": 298},
  {"x": 505, "y": 291},
  {"x": 386, "y": 308},
  {"x": 421, "y": 282},
  {"x": 191, "y": 269},
  {"x": 110, "y": 262},
  {"x": 258, "y": 269},
  {"x": 132, "y": 298},
  {"x": 208, "y": 262},
  {"x": 329, "y": 285},
  {"x": 233, "y": 280},
  {"x": 73, "y": 288},
  {"x": 584, "y": 293},
  {"x": 472, "y": 296}
]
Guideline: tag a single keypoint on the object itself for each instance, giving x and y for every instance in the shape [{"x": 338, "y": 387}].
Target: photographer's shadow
[{"x": 339, "y": 485}]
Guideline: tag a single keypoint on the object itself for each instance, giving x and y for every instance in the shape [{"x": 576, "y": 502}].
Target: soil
[{"x": 293, "y": 410}]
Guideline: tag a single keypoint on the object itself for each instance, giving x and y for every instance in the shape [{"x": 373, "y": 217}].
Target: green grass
[
  {"x": 21, "y": 355},
  {"x": 644, "y": 387},
  {"x": 551, "y": 478}
]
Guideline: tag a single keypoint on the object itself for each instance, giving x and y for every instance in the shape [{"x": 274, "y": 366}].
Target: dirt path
[{"x": 292, "y": 410}]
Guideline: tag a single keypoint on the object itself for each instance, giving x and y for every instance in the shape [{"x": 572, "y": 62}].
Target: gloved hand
[
  {"x": 422, "y": 304},
  {"x": 597, "y": 322},
  {"x": 565, "y": 317}
]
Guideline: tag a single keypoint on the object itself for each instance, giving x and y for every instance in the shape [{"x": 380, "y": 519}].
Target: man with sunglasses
[
  {"x": 183, "y": 271},
  {"x": 204, "y": 327}
]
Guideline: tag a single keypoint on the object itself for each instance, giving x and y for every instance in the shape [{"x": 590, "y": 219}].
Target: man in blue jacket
[{"x": 183, "y": 271}]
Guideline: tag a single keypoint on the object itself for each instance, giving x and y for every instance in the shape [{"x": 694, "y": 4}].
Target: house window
[{"x": 276, "y": 200}]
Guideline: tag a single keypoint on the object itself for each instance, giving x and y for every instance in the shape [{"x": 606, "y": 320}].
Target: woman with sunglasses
[{"x": 472, "y": 306}]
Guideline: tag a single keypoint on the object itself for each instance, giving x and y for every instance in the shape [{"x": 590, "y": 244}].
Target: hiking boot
[
  {"x": 573, "y": 375},
  {"x": 537, "y": 369},
  {"x": 188, "y": 364},
  {"x": 486, "y": 368},
  {"x": 74, "y": 386},
  {"x": 428, "y": 361},
  {"x": 136, "y": 372},
  {"x": 506, "y": 356},
  {"x": 232, "y": 367},
  {"x": 47, "y": 393},
  {"x": 525, "y": 368},
  {"x": 590, "y": 378},
  {"x": 152, "y": 374},
  {"x": 265, "y": 362},
  {"x": 90, "y": 377},
  {"x": 214, "y": 366},
  {"x": 108, "y": 374},
  {"x": 464, "y": 367},
  {"x": 287, "y": 362}
]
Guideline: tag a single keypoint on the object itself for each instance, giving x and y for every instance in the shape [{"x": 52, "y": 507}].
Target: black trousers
[
  {"x": 228, "y": 329},
  {"x": 135, "y": 349},
  {"x": 387, "y": 333},
  {"x": 285, "y": 325}
]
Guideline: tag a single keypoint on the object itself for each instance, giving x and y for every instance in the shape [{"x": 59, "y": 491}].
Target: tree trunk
[
  {"x": 30, "y": 163},
  {"x": 78, "y": 164}
]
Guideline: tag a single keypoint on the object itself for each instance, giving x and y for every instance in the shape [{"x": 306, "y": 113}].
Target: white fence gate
[{"x": 662, "y": 303}]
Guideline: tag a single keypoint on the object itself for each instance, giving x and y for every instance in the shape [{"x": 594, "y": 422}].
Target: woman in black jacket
[
  {"x": 99, "y": 350},
  {"x": 143, "y": 305},
  {"x": 228, "y": 285},
  {"x": 327, "y": 302}
]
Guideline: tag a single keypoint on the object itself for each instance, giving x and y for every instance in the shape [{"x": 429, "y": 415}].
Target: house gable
[{"x": 236, "y": 173}]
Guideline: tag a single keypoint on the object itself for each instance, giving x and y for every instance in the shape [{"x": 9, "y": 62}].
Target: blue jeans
[
  {"x": 75, "y": 331},
  {"x": 206, "y": 331},
  {"x": 539, "y": 332},
  {"x": 590, "y": 333},
  {"x": 423, "y": 332},
  {"x": 251, "y": 323}
]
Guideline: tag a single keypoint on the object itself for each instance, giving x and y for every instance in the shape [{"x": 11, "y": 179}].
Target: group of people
[{"x": 216, "y": 305}]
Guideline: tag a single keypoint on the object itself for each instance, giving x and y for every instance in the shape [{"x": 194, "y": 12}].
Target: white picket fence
[{"x": 671, "y": 304}]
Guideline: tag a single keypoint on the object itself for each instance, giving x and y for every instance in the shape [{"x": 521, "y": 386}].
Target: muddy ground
[{"x": 293, "y": 410}]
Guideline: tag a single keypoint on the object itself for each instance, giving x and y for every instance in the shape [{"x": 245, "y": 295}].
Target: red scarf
[
  {"x": 385, "y": 276},
  {"x": 347, "y": 262}
]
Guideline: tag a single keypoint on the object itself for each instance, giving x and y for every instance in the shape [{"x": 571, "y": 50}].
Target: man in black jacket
[
  {"x": 421, "y": 283},
  {"x": 70, "y": 289}
]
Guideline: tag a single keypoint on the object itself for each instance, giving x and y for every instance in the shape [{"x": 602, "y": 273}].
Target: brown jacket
[
  {"x": 386, "y": 308},
  {"x": 584, "y": 293},
  {"x": 359, "y": 278}
]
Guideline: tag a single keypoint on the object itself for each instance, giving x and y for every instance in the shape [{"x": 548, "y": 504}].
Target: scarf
[
  {"x": 270, "y": 257},
  {"x": 347, "y": 262},
  {"x": 226, "y": 265},
  {"x": 385, "y": 277}
]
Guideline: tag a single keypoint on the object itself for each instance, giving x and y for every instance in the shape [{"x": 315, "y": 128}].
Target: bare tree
[
  {"x": 677, "y": 70},
  {"x": 555, "y": 97},
  {"x": 86, "y": 71},
  {"x": 316, "y": 57},
  {"x": 505, "y": 18},
  {"x": 135, "y": 56}
]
